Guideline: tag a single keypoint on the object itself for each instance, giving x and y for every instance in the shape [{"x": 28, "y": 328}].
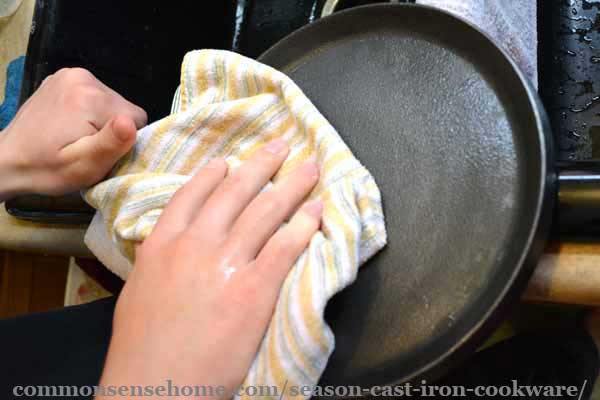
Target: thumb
[
  {"x": 117, "y": 136},
  {"x": 112, "y": 142},
  {"x": 93, "y": 156},
  {"x": 105, "y": 147}
]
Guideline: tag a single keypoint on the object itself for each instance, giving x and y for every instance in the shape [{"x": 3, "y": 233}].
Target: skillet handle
[{"x": 579, "y": 199}]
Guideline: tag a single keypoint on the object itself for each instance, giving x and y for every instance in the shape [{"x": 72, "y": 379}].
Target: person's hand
[
  {"x": 67, "y": 136},
  {"x": 205, "y": 282}
]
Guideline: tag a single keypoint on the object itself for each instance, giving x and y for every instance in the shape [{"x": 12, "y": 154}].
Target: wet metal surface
[
  {"x": 449, "y": 134},
  {"x": 570, "y": 74}
]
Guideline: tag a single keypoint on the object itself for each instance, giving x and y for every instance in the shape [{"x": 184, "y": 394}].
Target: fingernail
[
  {"x": 311, "y": 169},
  {"x": 314, "y": 208},
  {"x": 276, "y": 146}
]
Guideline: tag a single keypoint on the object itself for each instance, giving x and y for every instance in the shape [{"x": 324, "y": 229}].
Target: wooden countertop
[
  {"x": 18, "y": 235},
  {"x": 22, "y": 235},
  {"x": 568, "y": 272}
]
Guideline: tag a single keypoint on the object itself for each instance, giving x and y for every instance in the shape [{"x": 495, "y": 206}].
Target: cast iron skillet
[{"x": 459, "y": 145}]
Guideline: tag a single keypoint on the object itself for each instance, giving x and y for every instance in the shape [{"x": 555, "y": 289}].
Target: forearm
[{"x": 10, "y": 176}]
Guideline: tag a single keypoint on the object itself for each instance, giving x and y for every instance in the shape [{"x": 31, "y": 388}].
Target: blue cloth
[{"x": 8, "y": 109}]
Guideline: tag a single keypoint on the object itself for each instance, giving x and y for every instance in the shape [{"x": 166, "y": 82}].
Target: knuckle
[
  {"x": 234, "y": 185},
  {"x": 82, "y": 73},
  {"x": 142, "y": 115},
  {"x": 75, "y": 74},
  {"x": 72, "y": 98},
  {"x": 81, "y": 96},
  {"x": 273, "y": 202},
  {"x": 280, "y": 251},
  {"x": 47, "y": 79},
  {"x": 136, "y": 113},
  {"x": 184, "y": 193},
  {"x": 62, "y": 73}
]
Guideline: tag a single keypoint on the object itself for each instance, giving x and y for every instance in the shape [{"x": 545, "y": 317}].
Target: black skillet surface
[{"x": 458, "y": 144}]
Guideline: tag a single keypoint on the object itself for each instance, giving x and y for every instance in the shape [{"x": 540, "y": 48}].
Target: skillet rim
[{"x": 546, "y": 187}]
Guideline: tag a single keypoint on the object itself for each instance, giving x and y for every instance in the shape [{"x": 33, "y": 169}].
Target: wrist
[{"x": 10, "y": 172}]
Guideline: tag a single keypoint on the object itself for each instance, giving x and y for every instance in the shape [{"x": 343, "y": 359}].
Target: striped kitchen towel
[{"x": 228, "y": 106}]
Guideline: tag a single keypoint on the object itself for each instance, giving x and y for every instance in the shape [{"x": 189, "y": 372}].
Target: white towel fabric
[
  {"x": 228, "y": 106},
  {"x": 511, "y": 23}
]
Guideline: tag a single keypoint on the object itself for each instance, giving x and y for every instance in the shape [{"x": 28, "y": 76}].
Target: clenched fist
[{"x": 67, "y": 136}]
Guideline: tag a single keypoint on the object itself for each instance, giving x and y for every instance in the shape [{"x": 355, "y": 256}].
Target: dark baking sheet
[{"x": 136, "y": 47}]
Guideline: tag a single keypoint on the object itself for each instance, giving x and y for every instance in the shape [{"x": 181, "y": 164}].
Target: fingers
[
  {"x": 137, "y": 114},
  {"x": 239, "y": 188},
  {"x": 46, "y": 80},
  {"x": 117, "y": 105},
  {"x": 283, "y": 249},
  {"x": 104, "y": 148},
  {"x": 140, "y": 117},
  {"x": 269, "y": 210},
  {"x": 122, "y": 106},
  {"x": 100, "y": 102},
  {"x": 189, "y": 199}
]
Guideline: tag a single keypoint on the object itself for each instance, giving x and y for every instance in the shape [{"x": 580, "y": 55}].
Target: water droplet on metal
[{"x": 595, "y": 100}]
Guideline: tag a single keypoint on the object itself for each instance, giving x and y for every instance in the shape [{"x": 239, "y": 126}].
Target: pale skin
[{"x": 205, "y": 282}]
